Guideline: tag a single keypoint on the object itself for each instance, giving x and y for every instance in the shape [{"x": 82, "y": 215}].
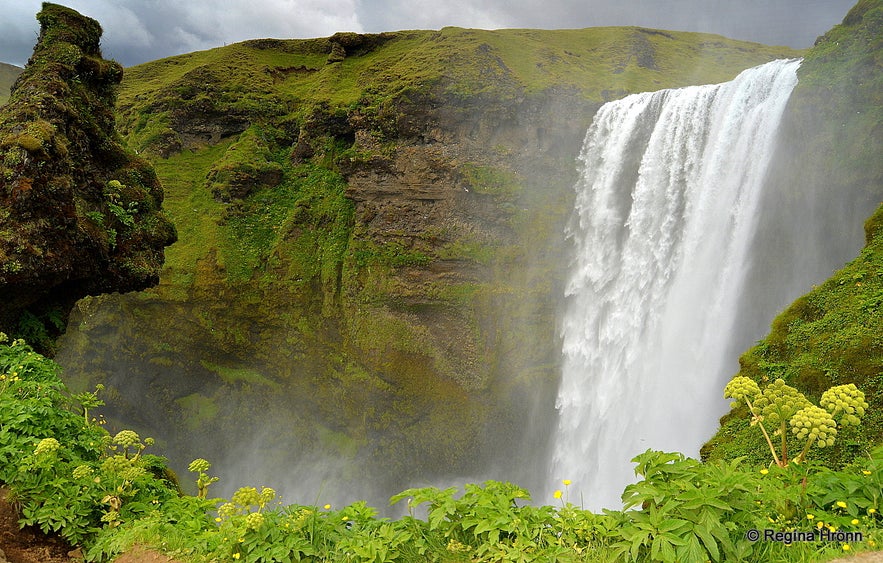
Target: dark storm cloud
[
  {"x": 141, "y": 30},
  {"x": 136, "y": 31}
]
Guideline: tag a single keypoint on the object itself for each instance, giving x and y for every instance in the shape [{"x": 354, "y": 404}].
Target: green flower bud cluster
[
  {"x": 227, "y": 510},
  {"x": 82, "y": 472},
  {"x": 115, "y": 464},
  {"x": 132, "y": 472},
  {"x": 254, "y": 520},
  {"x": 246, "y": 496},
  {"x": 812, "y": 422},
  {"x": 126, "y": 438},
  {"x": 779, "y": 402},
  {"x": 267, "y": 495},
  {"x": 741, "y": 388},
  {"x": 199, "y": 465},
  {"x": 47, "y": 446},
  {"x": 845, "y": 402}
]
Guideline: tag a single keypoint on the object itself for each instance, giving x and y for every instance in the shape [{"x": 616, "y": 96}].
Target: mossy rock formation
[{"x": 79, "y": 213}]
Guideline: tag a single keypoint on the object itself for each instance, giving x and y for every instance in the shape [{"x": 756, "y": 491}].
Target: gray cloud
[{"x": 141, "y": 30}]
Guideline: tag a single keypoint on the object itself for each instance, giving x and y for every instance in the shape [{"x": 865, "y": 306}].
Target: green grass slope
[
  {"x": 276, "y": 78},
  {"x": 833, "y": 335},
  {"x": 8, "y": 74}
]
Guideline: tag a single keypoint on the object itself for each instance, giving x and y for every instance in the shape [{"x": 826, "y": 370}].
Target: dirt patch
[
  {"x": 29, "y": 545},
  {"x": 867, "y": 557},
  {"x": 141, "y": 555}
]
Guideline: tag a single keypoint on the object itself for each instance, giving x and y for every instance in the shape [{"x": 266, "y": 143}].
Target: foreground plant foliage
[{"x": 105, "y": 493}]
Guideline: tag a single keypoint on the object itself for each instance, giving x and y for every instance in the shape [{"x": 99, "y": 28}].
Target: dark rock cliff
[{"x": 79, "y": 213}]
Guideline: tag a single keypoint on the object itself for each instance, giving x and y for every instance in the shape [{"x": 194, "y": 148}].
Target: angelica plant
[
  {"x": 200, "y": 466},
  {"x": 781, "y": 405},
  {"x": 89, "y": 400}
]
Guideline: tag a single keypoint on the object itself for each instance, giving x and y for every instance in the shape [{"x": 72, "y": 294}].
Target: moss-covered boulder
[{"x": 79, "y": 213}]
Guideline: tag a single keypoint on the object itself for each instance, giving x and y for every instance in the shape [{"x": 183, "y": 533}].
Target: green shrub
[{"x": 104, "y": 493}]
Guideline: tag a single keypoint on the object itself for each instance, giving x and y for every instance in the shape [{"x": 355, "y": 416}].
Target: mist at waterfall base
[
  {"x": 273, "y": 425},
  {"x": 665, "y": 216}
]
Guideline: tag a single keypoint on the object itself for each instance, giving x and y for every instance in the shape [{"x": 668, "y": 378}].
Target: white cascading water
[{"x": 664, "y": 215}]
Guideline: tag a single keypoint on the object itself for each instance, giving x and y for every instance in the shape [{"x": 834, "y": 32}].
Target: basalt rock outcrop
[{"x": 79, "y": 213}]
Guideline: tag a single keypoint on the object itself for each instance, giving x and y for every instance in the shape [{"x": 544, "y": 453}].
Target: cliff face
[{"x": 79, "y": 214}]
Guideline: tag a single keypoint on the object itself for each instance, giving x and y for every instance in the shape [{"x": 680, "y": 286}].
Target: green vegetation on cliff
[
  {"x": 833, "y": 335},
  {"x": 285, "y": 80},
  {"x": 364, "y": 206}
]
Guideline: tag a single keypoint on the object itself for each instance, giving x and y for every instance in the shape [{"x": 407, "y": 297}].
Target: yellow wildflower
[
  {"x": 566, "y": 482},
  {"x": 846, "y": 547},
  {"x": 810, "y": 516},
  {"x": 854, "y": 521},
  {"x": 865, "y": 472},
  {"x": 235, "y": 556},
  {"x": 327, "y": 507},
  {"x": 841, "y": 504},
  {"x": 872, "y": 511},
  {"x": 764, "y": 471},
  {"x": 557, "y": 493}
]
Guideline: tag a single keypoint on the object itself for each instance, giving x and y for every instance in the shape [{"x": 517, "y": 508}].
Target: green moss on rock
[{"x": 64, "y": 233}]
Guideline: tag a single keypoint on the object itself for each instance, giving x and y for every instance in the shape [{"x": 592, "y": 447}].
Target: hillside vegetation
[
  {"x": 832, "y": 335},
  {"x": 284, "y": 80},
  {"x": 8, "y": 74}
]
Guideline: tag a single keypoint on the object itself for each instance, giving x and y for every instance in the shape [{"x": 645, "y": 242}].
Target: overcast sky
[{"x": 137, "y": 31}]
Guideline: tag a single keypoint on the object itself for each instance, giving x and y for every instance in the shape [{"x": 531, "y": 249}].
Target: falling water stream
[{"x": 664, "y": 215}]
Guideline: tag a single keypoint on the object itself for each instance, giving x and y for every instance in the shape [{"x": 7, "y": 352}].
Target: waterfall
[{"x": 664, "y": 215}]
